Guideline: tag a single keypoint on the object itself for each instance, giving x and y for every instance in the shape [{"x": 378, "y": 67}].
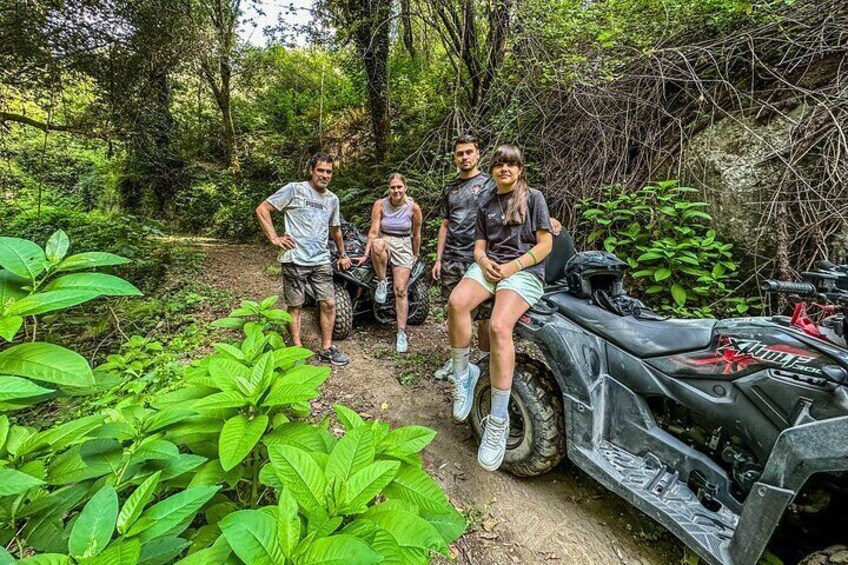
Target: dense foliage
[{"x": 230, "y": 438}]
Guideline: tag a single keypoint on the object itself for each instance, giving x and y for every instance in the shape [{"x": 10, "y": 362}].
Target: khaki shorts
[
  {"x": 400, "y": 250},
  {"x": 297, "y": 278}
]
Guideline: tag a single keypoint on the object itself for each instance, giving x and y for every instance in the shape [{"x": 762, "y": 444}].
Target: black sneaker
[{"x": 333, "y": 356}]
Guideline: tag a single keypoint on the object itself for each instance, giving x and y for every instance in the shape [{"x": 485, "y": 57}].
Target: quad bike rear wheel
[
  {"x": 344, "y": 312},
  {"x": 419, "y": 303},
  {"x": 830, "y": 556},
  {"x": 536, "y": 442}
]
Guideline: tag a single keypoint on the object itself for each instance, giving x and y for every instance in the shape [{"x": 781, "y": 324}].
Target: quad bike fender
[
  {"x": 800, "y": 451},
  {"x": 571, "y": 353}
]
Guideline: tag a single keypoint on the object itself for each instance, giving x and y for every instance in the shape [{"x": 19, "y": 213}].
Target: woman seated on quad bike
[
  {"x": 394, "y": 237},
  {"x": 513, "y": 238}
]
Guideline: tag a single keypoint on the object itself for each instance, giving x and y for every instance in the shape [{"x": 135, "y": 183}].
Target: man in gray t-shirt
[{"x": 310, "y": 212}]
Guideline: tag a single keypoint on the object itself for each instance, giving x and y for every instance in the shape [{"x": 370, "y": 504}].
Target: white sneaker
[
  {"x": 381, "y": 292},
  {"x": 402, "y": 344},
  {"x": 493, "y": 445},
  {"x": 463, "y": 392},
  {"x": 445, "y": 373}
]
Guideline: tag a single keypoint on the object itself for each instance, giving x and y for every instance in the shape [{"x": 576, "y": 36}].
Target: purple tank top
[{"x": 397, "y": 221}]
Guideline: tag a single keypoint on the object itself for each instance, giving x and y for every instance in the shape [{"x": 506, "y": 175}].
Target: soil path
[{"x": 562, "y": 517}]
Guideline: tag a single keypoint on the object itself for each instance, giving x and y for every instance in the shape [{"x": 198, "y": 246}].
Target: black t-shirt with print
[
  {"x": 509, "y": 242},
  {"x": 461, "y": 199}
]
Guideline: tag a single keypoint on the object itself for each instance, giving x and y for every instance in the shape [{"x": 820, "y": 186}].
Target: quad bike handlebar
[{"x": 803, "y": 289}]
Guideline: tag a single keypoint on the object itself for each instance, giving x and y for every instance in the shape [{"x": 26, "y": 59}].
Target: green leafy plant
[
  {"x": 191, "y": 472},
  {"x": 35, "y": 281},
  {"x": 262, "y": 313},
  {"x": 678, "y": 262}
]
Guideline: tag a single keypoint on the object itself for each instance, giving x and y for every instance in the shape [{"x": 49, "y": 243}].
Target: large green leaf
[
  {"x": 51, "y": 300},
  {"x": 46, "y": 559},
  {"x": 288, "y": 522},
  {"x": 407, "y": 440},
  {"x": 90, "y": 259},
  {"x": 368, "y": 483},
  {"x": 352, "y": 453},
  {"x": 57, "y": 247},
  {"x": 450, "y": 525},
  {"x": 11, "y": 287},
  {"x": 119, "y": 552},
  {"x": 9, "y": 326},
  {"x": 297, "y": 434},
  {"x": 65, "y": 435},
  {"x": 285, "y": 358},
  {"x": 414, "y": 485},
  {"x": 408, "y": 529},
  {"x": 94, "y": 526},
  {"x": 340, "y": 549},
  {"x": 4, "y": 430},
  {"x": 221, "y": 401},
  {"x": 49, "y": 363},
  {"x": 348, "y": 418},
  {"x": 136, "y": 502},
  {"x": 219, "y": 553},
  {"x": 170, "y": 515},
  {"x": 14, "y": 388},
  {"x": 160, "y": 551},
  {"x": 226, "y": 371},
  {"x": 22, "y": 257},
  {"x": 101, "y": 283},
  {"x": 253, "y": 537},
  {"x": 679, "y": 294},
  {"x": 299, "y": 472},
  {"x": 238, "y": 438},
  {"x": 15, "y": 482}
]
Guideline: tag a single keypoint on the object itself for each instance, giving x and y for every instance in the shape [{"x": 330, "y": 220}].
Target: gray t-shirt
[
  {"x": 461, "y": 199},
  {"x": 506, "y": 243},
  {"x": 307, "y": 216}
]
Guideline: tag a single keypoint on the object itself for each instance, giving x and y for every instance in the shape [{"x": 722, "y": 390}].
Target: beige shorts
[{"x": 400, "y": 250}]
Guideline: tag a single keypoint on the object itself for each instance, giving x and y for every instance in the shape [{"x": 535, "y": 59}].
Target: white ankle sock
[{"x": 459, "y": 359}]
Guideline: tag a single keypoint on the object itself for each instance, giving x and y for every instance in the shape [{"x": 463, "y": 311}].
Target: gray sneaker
[
  {"x": 334, "y": 356},
  {"x": 381, "y": 292},
  {"x": 402, "y": 344},
  {"x": 493, "y": 445},
  {"x": 445, "y": 373},
  {"x": 463, "y": 392}
]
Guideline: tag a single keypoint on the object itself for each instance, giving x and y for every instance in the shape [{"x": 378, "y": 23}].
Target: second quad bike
[
  {"x": 355, "y": 288},
  {"x": 721, "y": 431}
]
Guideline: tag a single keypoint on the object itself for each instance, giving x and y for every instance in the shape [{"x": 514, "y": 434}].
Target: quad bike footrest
[{"x": 661, "y": 493}]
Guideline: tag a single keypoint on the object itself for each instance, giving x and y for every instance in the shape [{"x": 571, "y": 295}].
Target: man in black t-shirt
[{"x": 461, "y": 198}]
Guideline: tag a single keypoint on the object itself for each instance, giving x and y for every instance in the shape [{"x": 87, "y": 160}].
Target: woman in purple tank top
[{"x": 395, "y": 237}]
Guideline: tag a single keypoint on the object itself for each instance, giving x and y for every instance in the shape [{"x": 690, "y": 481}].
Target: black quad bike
[
  {"x": 721, "y": 431},
  {"x": 355, "y": 288}
]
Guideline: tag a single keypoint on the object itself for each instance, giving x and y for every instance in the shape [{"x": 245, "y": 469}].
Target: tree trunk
[{"x": 372, "y": 39}]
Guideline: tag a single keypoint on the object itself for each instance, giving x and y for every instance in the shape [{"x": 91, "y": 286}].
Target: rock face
[
  {"x": 732, "y": 162},
  {"x": 736, "y": 163}
]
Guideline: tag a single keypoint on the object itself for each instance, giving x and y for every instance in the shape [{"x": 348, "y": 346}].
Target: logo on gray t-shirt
[
  {"x": 461, "y": 199},
  {"x": 307, "y": 216}
]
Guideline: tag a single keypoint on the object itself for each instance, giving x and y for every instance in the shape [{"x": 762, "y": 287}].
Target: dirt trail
[{"x": 562, "y": 517}]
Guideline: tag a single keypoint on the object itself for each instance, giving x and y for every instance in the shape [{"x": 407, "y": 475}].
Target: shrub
[{"x": 679, "y": 265}]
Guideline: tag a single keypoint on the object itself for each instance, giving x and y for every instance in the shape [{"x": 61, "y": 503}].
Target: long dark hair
[{"x": 516, "y": 206}]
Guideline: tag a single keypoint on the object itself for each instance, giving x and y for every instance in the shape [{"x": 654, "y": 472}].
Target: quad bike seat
[{"x": 642, "y": 338}]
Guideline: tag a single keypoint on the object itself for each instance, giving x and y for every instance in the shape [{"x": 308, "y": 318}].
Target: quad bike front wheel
[
  {"x": 344, "y": 312},
  {"x": 536, "y": 442},
  {"x": 830, "y": 556}
]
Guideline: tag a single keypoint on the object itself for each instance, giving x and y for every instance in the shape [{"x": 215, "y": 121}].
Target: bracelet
[
  {"x": 520, "y": 264},
  {"x": 533, "y": 255}
]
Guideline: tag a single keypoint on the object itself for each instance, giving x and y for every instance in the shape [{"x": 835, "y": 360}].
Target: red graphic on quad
[{"x": 735, "y": 356}]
